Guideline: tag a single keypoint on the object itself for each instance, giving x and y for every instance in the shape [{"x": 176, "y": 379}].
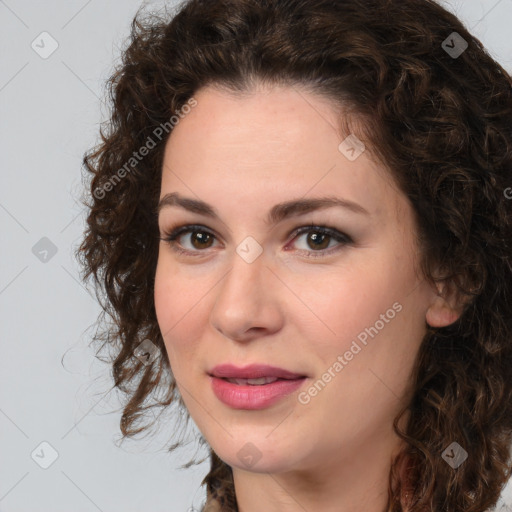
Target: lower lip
[{"x": 253, "y": 397}]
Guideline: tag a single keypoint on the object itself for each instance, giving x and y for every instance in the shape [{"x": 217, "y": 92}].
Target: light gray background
[{"x": 52, "y": 388}]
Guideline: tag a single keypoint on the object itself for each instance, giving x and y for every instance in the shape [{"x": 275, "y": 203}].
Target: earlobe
[{"x": 445, "y": 307}]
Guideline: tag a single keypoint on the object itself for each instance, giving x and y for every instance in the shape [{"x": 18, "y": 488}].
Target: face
[{"x": 340, "y": 303}]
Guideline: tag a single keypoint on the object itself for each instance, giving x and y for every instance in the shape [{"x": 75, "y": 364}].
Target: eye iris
[
  {"x": 200, "y": 236},
  {"x": 317, "y": 236},
  {"x": 315, "y": 239}
]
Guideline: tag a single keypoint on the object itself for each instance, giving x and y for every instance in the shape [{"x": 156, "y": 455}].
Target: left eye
[{"x": 318, "y": 237}]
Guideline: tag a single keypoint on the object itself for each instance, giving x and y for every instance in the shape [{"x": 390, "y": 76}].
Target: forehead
[{"x": 279, "y": 141}]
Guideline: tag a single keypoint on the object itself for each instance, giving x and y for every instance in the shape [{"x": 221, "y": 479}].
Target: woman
[{"x": 302, "y": 207}]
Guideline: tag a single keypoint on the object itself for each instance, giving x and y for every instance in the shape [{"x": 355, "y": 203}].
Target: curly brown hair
[{"x": 442, "y": 125}]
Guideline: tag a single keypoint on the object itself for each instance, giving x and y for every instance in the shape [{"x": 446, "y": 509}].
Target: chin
[{"x": 257, "y": 456}]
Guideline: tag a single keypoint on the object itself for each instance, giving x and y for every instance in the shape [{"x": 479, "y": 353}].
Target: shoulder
[{"x": 211, "y": 505}]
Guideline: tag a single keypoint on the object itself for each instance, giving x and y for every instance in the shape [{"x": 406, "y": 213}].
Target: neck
[{"x": 352, "y": 482}]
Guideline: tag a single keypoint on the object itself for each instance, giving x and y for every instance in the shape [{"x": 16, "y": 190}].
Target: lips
[
  {"x": 253, "y": 371},
  {"x": 253, "y": 387}
]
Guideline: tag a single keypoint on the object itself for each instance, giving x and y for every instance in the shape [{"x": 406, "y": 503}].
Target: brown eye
[
  {"x": 318, "y": 240},
  {"x": 200, "y": 239}
]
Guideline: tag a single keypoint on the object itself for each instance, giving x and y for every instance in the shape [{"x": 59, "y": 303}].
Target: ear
[{"x": 446, "y": 306}]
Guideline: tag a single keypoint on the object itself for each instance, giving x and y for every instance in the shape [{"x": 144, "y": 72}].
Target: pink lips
[
  {"x": 253, "y": 371},
  {"x": 252, "y": 397}
]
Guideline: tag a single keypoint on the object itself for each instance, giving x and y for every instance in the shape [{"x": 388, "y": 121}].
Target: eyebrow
[{"x": 278, "y": 213}]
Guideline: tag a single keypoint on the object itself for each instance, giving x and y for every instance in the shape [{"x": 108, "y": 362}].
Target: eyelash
[{"x": 171, "y": 236}]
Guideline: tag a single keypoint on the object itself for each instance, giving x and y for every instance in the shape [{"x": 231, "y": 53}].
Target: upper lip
[{"x": 253, "y": 371}]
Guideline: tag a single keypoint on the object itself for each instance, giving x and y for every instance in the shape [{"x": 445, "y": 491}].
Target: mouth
[
  {"x": 255, "y": 386},
  {"x": 253, "y": 382},
  {"x": 253, "y": 375}
]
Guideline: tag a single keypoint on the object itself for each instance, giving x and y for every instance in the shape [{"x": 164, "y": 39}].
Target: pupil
[
  {"x": 316, "y": 236},
  {"x": 318, "y": 239},
  {"x": 200, "y": 237}
]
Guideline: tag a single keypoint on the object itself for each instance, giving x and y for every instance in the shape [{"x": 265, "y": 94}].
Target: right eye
[{"x": 201, "y": 239}]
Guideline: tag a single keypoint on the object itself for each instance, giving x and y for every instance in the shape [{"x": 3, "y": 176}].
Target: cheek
[
  {"x": 165, "y": 303},
  {"x": 176, "y": 295},
  {"x": 177, "y": 312},
  {"x": 374, "y": 314},
  {"x": 351, "y": 299}
]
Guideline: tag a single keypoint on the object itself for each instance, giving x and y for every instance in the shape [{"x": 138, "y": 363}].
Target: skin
[{"x": 243, "y": 155}]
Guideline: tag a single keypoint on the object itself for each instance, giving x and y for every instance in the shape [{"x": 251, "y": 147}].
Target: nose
[{"x": 248, "y": 302}]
